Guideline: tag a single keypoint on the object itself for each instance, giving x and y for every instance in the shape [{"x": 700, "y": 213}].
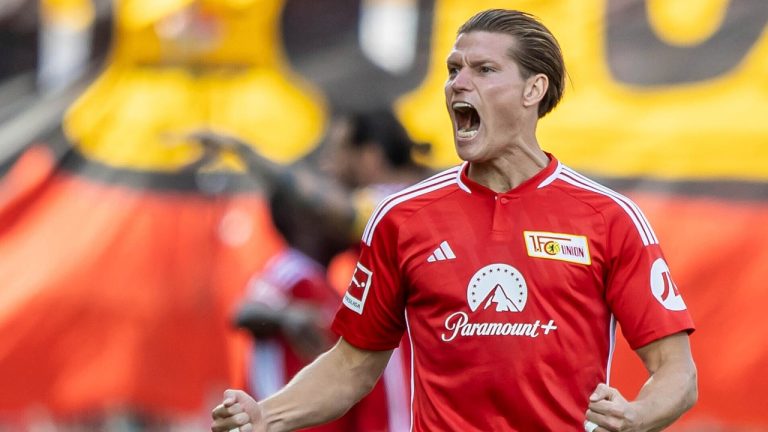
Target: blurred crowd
[{"x": 318, "y": 197}]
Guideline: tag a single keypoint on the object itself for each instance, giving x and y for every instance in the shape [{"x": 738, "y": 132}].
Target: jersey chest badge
[{"x": 557, "y": 246}]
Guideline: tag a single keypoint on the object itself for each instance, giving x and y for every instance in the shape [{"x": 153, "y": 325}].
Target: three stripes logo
[{"x": 442, "y": 253}]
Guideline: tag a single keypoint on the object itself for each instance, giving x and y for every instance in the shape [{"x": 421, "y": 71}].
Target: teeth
[
  {"x": 460, "y": 105},
  {"x": 466, "y": 133}
]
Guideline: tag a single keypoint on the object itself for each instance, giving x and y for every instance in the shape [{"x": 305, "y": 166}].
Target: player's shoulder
[
  {"x": 291, "y": 266},
  {"x": 397, "y": 207},
  {"x": 590, "y": 192},
  {"x": 614, "y": 207}
]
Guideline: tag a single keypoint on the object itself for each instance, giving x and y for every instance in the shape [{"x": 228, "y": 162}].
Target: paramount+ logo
[{"x": 501, "y": 288}]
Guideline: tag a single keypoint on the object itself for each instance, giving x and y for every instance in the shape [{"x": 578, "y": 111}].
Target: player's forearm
[
  {"x": 669, "y": 392},
  {"x": 261, "y": 320},
  {"x": 267, "y": 171},
  {"x": 306, "y": 189},
  {"x": 324, "y": 197},
  {"x": 322, "y": 391}
]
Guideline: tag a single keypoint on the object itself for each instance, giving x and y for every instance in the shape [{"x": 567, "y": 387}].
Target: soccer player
[
  {"x": 288, "y": 310},
  {"x": 509, "y": 273}
]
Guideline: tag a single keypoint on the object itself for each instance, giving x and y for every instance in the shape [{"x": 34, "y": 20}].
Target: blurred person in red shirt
[{"x": 289, "y": 306}]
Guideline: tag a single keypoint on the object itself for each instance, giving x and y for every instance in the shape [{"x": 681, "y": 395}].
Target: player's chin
[{"x": 469, "y": 150}]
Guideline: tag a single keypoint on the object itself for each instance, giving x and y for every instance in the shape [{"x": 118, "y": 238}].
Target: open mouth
[{"x": 467, "y": 120}]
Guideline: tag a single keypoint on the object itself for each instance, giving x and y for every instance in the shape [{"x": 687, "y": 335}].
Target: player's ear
[{"x": 535, "y": 89}]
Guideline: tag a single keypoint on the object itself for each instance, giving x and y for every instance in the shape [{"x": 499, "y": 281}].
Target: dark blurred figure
[
  {"x": 30, "y": 36},
  {"x": 321, "y": 213},
  {"x": 18, "y": 37}
]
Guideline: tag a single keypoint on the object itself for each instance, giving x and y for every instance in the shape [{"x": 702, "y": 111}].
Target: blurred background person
[
  {"x": 124, "y": 255},
  {"x": 321, "y": 212}
]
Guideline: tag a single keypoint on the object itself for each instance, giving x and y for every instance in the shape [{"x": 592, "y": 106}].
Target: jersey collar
[{"x": 543, "y": 178}]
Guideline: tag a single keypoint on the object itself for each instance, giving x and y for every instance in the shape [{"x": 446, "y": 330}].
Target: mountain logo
[{"x": 500, "y": 286}]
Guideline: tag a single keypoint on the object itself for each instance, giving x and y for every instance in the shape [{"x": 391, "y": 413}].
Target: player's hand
[
  {"x": 217, "y": 141},
  {"x": 303, "y": 326},
  {"x": 609, "y": 412},
  {"x": 237, "y": 413}
]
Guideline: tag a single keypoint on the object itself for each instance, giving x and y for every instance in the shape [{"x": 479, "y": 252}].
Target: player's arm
[
  {"x": 312, "y": 192},
  {"x": 670, "y": 391},
  {"x": 302, "y": 324},
  {"x": 321, "y": 392}
]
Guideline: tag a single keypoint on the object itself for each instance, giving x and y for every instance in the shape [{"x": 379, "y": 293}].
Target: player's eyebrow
[
  {"x": 453, "y": 59},
  {"x": 480, "y": 61},
  {"x": 452, "y": 63}
]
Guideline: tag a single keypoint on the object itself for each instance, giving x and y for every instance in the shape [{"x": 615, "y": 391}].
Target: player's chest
[{"x": 504, "y": 258}]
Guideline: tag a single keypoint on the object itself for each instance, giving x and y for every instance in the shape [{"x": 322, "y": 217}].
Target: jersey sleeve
[
  {"x": 640, "y": 290},
  {"x": 372, "y": 313}
]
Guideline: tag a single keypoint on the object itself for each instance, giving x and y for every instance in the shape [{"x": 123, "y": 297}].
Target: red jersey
[
  {"x": 290, "y": 277},
  {"x": 510, "y": 299}
]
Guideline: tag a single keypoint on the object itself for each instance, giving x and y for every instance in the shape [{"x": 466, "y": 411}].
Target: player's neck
[{"x": 510, "y": 170}]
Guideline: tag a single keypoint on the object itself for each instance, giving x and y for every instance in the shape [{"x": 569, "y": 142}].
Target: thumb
[{"x": 602, "y": 391}]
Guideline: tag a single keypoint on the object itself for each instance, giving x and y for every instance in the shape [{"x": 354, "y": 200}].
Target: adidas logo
[{"x": 442, "y": 253}]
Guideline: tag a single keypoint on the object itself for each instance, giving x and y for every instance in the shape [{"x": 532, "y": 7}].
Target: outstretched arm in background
[
  {"x": 321, "y": 392},
  {"x": 320, "y": 197},
  {"x": 670, "y": 391}
]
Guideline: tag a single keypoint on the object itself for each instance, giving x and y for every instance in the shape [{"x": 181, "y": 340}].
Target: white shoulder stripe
[
  {"x": 646, "y": 241},
  {"x": 413, "y": 366},
  {"x": 552, "y": 176},
  {"x": 635, "y": 207},
  {"x": 623, "y": 202},
  {"x": 437, "y": 178},
  {"x": 397, "y": 199},
  {"x": 463, "y": 187},
  {"x": 287, "y": 273},
  {"x": 611, "y": 349}
]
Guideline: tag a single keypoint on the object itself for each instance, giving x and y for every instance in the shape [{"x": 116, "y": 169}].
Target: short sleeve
[
  {"x": 372, "y": 313},
  {"x": 640, "y": 290}
]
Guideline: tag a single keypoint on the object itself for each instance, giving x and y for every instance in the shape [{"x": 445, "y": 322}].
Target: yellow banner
[
  {"x": 178, "y": 66},
  {"x": 652, "y": 92}
]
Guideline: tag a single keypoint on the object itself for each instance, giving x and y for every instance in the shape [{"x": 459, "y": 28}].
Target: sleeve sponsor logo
[
  {"x": 663, "y": 288},
  {"x": 358, "y": 288},
  {"x": 557, "y": 246}
]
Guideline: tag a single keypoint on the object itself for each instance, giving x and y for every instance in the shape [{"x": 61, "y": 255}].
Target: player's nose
[{"x": 461, "y": 81}]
